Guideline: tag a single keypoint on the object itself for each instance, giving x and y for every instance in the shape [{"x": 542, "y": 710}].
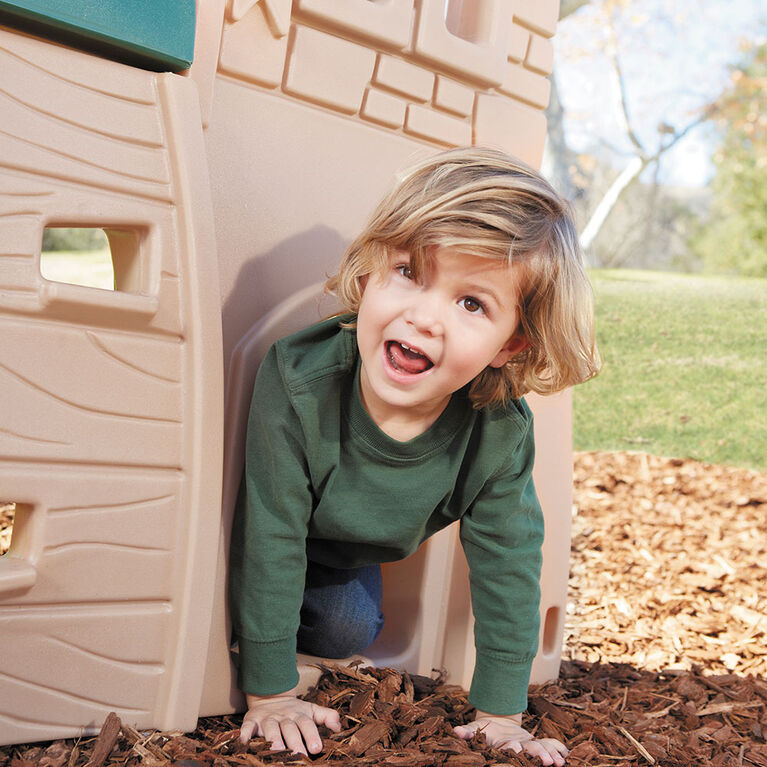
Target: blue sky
[{"x": 676, "y": 56}]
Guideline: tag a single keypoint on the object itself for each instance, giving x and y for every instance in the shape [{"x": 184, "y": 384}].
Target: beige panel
[
  {"x": 519, "y": 42},
  {"x": 110, "y": 434},
  {"x": 384, "y": 108},
  {"x": 386, "y": 22},
  {"x": 122, "y": 647},
  {"x": 539, "y": 15},
  {"x": 525, "y": 85},
  {"x": 436, "y": 126},
  {"x": 540, "y": 57},
  {"x": 298, "y": 160},
  {"x": 93, "y": 74},
  {"x": 553, "y": 476},
  {"x": 126, "y": 389},
  {"x": 493, "y": 118},
  {"x": 250, "y": 50},
  {"x": 207, "y": 44},
  {"x": 285, "y": 227},
  {"x": 326, "y": 69},
  {"x": 453, "y": 96},
  {"x": 405, "y": 78}
]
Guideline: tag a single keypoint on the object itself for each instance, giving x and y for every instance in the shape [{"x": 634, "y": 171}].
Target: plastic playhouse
[{"x": 229, "y": 151}]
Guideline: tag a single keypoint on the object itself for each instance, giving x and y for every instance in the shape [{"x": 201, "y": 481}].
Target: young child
[{"x": 371, "y": 431}]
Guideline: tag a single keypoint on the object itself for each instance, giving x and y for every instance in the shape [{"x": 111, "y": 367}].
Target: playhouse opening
[
  {"x": 92, "y": 257},
  {"x": 7, "y": 516}
]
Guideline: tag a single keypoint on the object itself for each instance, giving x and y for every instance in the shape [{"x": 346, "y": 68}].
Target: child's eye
[
  {"x": 471, "y": 305},
  {"x": 404, "y": 270}
]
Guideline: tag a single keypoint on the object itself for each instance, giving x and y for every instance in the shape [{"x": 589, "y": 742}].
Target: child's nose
[{"x": 425, "y": 314}]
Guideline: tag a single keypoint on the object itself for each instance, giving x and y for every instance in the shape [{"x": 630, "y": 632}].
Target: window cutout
[
  {"x": 7, "y": 515},
  {"x": 92, "y": 257},
  {"x": 470, "y": 20}
]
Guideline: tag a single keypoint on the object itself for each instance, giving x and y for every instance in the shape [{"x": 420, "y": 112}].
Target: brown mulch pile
[
  {"x": 668, "y": 565},
  {"x": 666, "y": 650}
]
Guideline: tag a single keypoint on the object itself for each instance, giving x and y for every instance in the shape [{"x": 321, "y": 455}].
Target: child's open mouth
[{"x": 405, "y": 359}]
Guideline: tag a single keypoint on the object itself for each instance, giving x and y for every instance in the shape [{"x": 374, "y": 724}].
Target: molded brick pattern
[
  {"x": 453, "y": 96},
  {"x": 526, "y": 86},
  {"x": 397, "y": 66},
  {"x": 405, "y": 78},
  {"x": 383, "y": 108},
  {"x": 251, "y": 51},
  {"x": 496, "y": 118},
  {"x": 519, "y": 41},
  {"x": 388, "y": 23},
  {"x": 430, "y": 124},
  {"x": 539, "y": 15},
  {"x": 329, "y": 70},
  {"x": 540, "y": 57}
]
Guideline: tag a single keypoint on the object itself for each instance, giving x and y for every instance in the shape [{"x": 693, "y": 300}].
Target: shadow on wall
[{"x": 266, "y": 280}]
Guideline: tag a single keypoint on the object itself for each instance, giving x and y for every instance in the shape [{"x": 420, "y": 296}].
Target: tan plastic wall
[
  {"x": 110, "y": 423},
  {"x": 310, "y": 110},
  {"x": 301, "y": 116}
]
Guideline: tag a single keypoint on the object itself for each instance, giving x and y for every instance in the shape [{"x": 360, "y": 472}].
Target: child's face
[{"x": 422, "y": 341}]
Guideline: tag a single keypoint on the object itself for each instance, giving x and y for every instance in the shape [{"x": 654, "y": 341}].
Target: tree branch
[
  {"x": 612, "y": 51},
  {"x": 635, "y": 166}
]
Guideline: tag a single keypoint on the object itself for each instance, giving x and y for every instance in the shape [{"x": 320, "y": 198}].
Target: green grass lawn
[
  {"x": 91, "y": 268},
  {"x": 685, "y": 368}
]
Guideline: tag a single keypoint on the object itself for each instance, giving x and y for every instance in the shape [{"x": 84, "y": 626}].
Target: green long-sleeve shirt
[{"x": 323, "y": 481}]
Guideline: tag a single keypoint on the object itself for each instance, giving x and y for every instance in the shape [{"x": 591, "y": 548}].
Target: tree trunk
[
  {"x": 558, "y": 157},
  {"x": 635, "y": 166}
]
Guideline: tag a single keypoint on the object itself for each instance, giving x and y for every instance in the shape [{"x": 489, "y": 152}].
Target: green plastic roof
[{"x": 152, "y": 34}]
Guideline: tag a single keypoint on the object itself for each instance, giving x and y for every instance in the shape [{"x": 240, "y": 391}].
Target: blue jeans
[{"x": 341, "y": 614}]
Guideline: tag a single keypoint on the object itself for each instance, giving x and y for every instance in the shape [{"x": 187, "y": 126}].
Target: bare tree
[
  {"x": 643, "y": 156},
  {"x": 562, "y": 160},
  {"x": 559, "y": 157}
]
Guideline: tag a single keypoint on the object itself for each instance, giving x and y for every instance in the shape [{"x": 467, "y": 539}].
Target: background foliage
[
  {"x": 638, "y": 85},
  {"x": 734, "y": 237},
  {"x": 74, "y": 239}
]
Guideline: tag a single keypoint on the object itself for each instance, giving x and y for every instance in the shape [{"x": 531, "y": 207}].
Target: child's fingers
[
  {"x": 534, "y": 748},
  {"x": 558, "y": 751},
  {"x": 511, "y": 736},
  {"x": 327, "y": 716},
  {"x": 554, "y": 746},
  {"x": 309, "y": 733},
  {"x": 465, "y": 731},
  {"x": 247, "y": 730},
  {"x": 292, "y": 737},
  {"x": 546, "y": 751},
  {"x": 270, "y": 730}
]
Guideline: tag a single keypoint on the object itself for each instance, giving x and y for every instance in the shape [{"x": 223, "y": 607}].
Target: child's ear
[{"x": 516, "y": 344}]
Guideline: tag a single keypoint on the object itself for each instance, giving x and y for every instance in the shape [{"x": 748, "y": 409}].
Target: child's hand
[
  {"x": 507, "y": 732},
  {"x": 287, "y": 722}
]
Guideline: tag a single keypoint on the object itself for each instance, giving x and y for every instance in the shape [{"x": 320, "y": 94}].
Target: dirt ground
[{"x": 665, "y": 657}]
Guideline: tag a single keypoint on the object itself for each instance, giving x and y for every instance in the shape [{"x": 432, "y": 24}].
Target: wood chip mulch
[
  {"x": 668, "y": 565},
  {"x": 666, "y": 649}
]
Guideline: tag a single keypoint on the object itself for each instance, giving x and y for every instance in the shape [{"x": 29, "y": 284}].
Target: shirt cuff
[
  {"x": 499, "y": 685},
  {"x": 267, "y": 668}
]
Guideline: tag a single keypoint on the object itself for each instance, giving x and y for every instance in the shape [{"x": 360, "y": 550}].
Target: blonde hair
[{"x": 485, "y": 203}]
